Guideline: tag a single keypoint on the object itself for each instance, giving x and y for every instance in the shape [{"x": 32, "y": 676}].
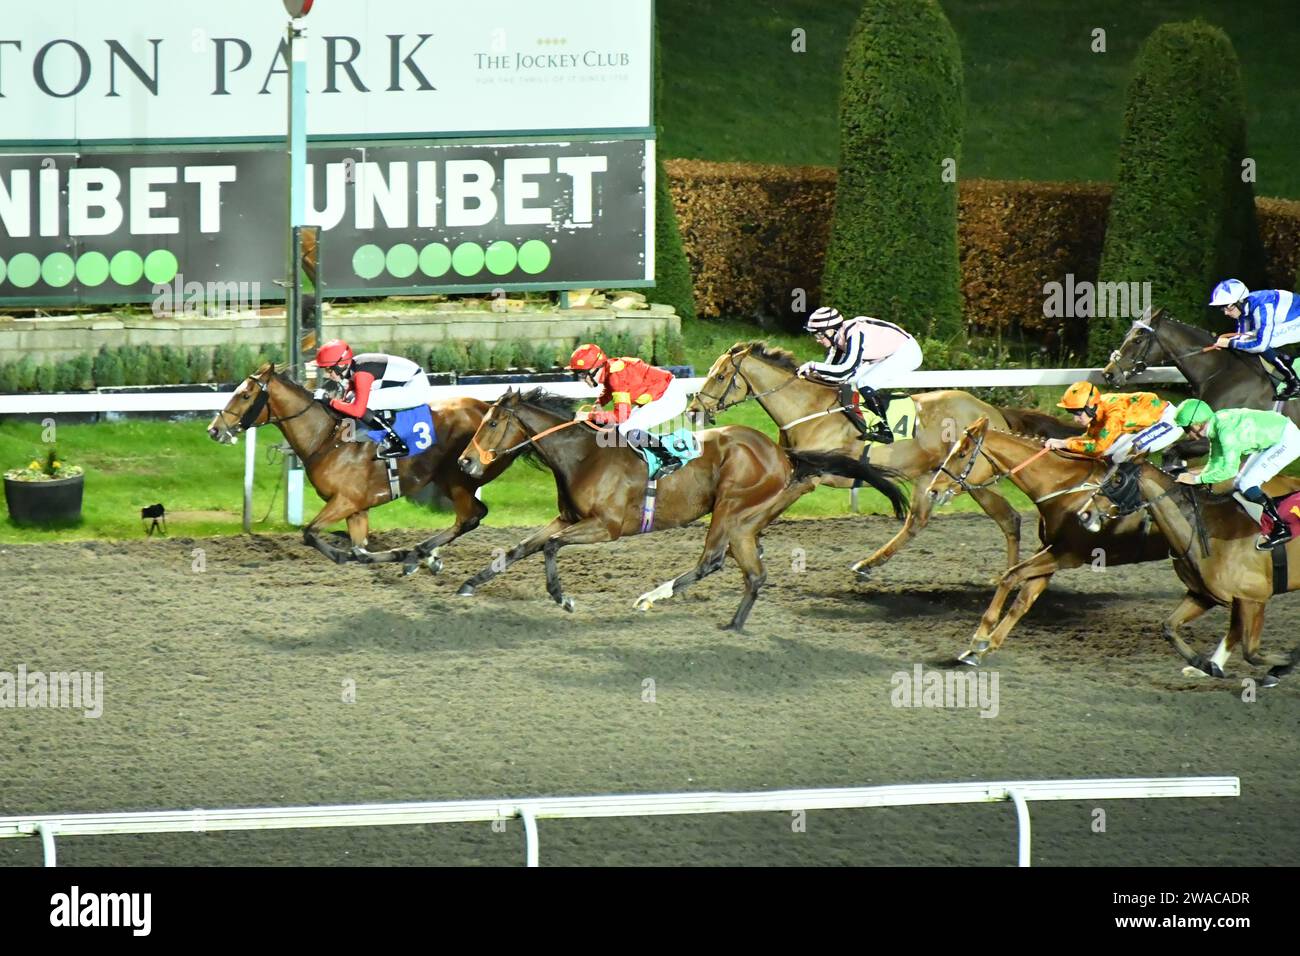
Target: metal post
[
  {"x": 46, "y": 833},
  {"x": 1022, "y": 822},
  {"x": 250, "y": 463},
  {"x": 530, "y": 836},
  {"x": 297, "y": 150}
]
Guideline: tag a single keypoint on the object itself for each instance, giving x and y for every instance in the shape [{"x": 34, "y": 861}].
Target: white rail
[
  {"x": 214, "y": 401},
  {"x": 530, "y": 810}
]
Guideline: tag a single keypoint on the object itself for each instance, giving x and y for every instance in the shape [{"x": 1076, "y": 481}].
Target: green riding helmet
[{"x": 1192, "y": 412}]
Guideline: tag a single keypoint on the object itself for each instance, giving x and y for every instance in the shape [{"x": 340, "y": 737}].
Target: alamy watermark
[
  {"x": 1086, "y": 300},
  {"x": 204, "y": 298},
  {"x": 946, "y": 688},
  {"x": 66, "y": 689}
]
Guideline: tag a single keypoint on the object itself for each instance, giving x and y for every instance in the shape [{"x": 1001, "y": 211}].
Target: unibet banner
[
  {"x": 134, "y": 71},
  {"x": 112, "y": 226}
]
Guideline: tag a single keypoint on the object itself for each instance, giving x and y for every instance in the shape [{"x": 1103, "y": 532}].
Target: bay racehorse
[
  {"x": 341, "y": 465},
  {"x": 1223, "y": 378},
  {"x": 810, "y": 418},
  {"x": 742, "y": 478},
  {"x": 1058, "y": 485},
  {"x": 1212, "y": 541}
]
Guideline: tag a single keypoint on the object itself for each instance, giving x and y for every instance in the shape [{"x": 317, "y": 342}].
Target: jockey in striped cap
[{"x": 863, "y": 352}]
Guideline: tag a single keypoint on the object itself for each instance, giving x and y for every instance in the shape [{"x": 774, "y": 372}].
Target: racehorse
[
  {"x": 1058, "y": 486},
  {"x": 1224, "y": 378},
  {"x": 810, "y": 418},
  {"x": 345, "y": 472},
  {"x": 741, "y": 477},
  {"x": 1212, "y": 541}
]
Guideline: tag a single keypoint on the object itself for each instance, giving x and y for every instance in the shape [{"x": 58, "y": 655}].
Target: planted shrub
[
  {"x": 198, "y": 365},
  {"x": 107, "y": 369},
  {"x": 47, "y": 378},
  {"x": 479, "y": 358},
  {"x": 8, "y": 378}
]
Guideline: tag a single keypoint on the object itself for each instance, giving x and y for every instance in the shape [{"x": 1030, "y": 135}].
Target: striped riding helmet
[{"x": 824, "y": 320}]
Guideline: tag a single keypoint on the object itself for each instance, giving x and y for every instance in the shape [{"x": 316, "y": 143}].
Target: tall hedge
[
  {"x": 1182, "y": 217},
  {"x": 893, "y": 245},
  {"x": 673, "y": 285}
]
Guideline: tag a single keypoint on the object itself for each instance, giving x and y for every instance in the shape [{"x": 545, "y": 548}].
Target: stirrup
[
  {"x": 1280, "y": 534},
  {"x": 393, "y": 447},
  {"x": 881, "y": 433}
]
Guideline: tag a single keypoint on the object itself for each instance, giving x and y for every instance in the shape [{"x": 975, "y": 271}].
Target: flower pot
[{"x": 57, "y": 501}]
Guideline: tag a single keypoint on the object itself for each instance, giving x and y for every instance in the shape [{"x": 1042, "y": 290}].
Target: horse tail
[
  {"x": 814, "y": 464},
  {"x": 1028, "y": 421}
]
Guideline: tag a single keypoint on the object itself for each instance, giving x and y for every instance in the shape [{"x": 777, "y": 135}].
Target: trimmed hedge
[
  {"x": 672, "y": 270},
  {"x": 1182, "y": 217},
  {"x": 893, "y": 247}
]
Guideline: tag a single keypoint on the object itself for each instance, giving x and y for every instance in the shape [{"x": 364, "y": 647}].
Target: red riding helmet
[
  {"x": 333, "y": 354},
  {"x": 587, "y": 358}
]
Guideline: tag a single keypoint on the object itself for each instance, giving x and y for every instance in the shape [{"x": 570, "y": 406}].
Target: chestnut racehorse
[
  {"x": 342, "y": 467},
  {"x": 809, "y": 417},
  {"x": 1229, "y": 573},
  {"x": 742, "y": 478}
]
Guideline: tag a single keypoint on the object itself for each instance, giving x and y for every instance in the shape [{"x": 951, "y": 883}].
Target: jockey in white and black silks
[
  {"x": 863, "y": 352},
  {"x": 375, "y": 382}
]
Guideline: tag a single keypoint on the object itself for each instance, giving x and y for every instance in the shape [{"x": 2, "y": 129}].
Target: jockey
[
  {"x": 377, "y": 382},
  {"x": 644, "y": 396},
  {"x": 1265, "y": 320},
  {"x": 1113, "y": 421},
  {"x": 863, "y": 352},
  {"x": 1271, "y": 440}
]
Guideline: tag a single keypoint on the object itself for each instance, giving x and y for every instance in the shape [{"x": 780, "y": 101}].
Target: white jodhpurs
[
  {"x": 908, "y": 358},
  {"x": 668, "y": 406},
  {"x": 416, "y": 392},
  {"x": 1264, "y": 464}
]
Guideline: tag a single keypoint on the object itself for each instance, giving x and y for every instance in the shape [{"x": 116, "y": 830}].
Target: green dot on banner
[
  {"x": 435, "y": 260},
  {"x": 2, "y": 269},
  {"x": 24, "y": 270},
  {"x": 500, "y": 258},
  {"x": 468, "y": 259},
  {"x": 402, "y": 260},
  {"x": 57, "y": 269},
  {"x": 160, "y": 266},
  {"x": 534, "y": 256},
  {"x": 92, "y": 268},
  {"x": 368, "y": 261},
  {"x": 126, "y": 267}
]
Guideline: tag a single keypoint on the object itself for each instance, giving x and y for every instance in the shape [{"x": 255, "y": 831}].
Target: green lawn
[{"x": 1040, "y": 104}]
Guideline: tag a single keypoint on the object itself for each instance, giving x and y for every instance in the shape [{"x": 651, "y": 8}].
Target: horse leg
[
  {"x": 1252, "y": 614},
  {"x": 1189, "y": 609},
  {"x": 918, "y": 516},
  {"x": 336, "y": 509},
  {"x": 1006, "y": 517},
  {"x": 586, "y": 531},
  {"x": 715, "y": 553},
  {"x": 359, "y": 533},
  {"x": 1042, "y": 564},
  {"x": 530, "y": 545},
  {"x": 745, "y": 550},
  {"x": 469, "y": 514},
  {"x": 1029, "y": 593}
]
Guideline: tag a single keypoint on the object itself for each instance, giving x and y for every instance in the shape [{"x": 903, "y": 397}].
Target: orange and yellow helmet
[
  {"x": 1079, "y": 396},
  {"x": 587, "y": 358}
]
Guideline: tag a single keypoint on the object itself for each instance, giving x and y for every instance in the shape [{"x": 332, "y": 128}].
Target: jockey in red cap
[
  {"x": 644, "y": 396},
  {"x": 377, "y": 382}
]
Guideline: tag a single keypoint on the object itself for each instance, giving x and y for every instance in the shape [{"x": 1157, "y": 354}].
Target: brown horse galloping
[
  {"x": 809, "y": 417},
  {"x": 1233, "y": 574},
  {"x": 345, "y": 472},
  {"x": 742, "y": 478}
]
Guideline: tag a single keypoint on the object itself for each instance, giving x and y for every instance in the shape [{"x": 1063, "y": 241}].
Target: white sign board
[{"x": 167, "y": 70}]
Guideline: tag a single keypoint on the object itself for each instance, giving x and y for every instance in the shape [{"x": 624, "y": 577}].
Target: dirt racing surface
[{"x": 228, "y": 665}]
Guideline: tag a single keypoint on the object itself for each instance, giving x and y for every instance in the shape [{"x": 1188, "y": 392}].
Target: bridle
[
  {"x": 963, "y": 480},
  {"x": 721, "y": 404},
  {"x": 254, "y": 411},
  {"x": 1153, "y": 338},
  {"x": 1144, "y": 504},
  {"x": 487, "y": 456}
]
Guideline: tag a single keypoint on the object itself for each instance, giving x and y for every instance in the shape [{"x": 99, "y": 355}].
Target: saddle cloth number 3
[{"x": 423, "y": 437}]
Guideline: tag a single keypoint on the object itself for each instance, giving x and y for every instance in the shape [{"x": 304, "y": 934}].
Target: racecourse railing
[
  {"x": 1019, "y": 792},
  {"x": 54, "y": 404}
]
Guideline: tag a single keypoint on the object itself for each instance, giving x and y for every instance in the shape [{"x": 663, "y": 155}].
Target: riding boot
[
  {"x": 666, "y": 460},
  {"x": 877, "y": 403},
  {"x": 393, "y": 446},
  {"x": 851, "y": 413},
  {"x": 1279, "y": 533},
  {"x": 1290, "y": 381}
]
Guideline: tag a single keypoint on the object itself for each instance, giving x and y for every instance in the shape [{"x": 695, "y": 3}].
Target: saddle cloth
[
  {"x": 682, "y": 444},
  {"x": 900, "y": 415},
  {"x": 414, "y": 425},
  {"x": 1288, "y": 507}
]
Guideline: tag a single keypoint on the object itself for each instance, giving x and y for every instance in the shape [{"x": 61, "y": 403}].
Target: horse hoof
[
  {"x": 466, "y": 590},
  {"x": 1190, "y": 671},
  {"x": 1269, "y": 680},
  {"x": 567, "y": 604},
  {"x": 968, "y": 657},
  {"x": 433, "y": 563},
  {"x": 1215, "y": 670},
  {"x": 643, "y": 605},
  {"x": 409, "y": 569},
  {"x": 862, "y": 574}
]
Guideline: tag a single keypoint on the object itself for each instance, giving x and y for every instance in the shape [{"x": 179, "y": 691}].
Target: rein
[
  {"x": 721, "y": 404},
  {"x": 487, "y": 456},
  {"x": 963, "y": 482}
]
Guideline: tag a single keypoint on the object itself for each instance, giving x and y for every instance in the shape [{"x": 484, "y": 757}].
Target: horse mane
[
  {"x": 1030, "y": 421},
  {"x": 781, "y": 358},
  {"x": 557, "y": 405}
]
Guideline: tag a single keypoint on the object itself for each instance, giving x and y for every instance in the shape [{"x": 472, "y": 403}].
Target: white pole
[
  {"x": 1022, "y": 821},
  {"x": 250, "y": 463},
  {"x": 297, "y": 150},
  {"x": 530, "y": 837}
]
